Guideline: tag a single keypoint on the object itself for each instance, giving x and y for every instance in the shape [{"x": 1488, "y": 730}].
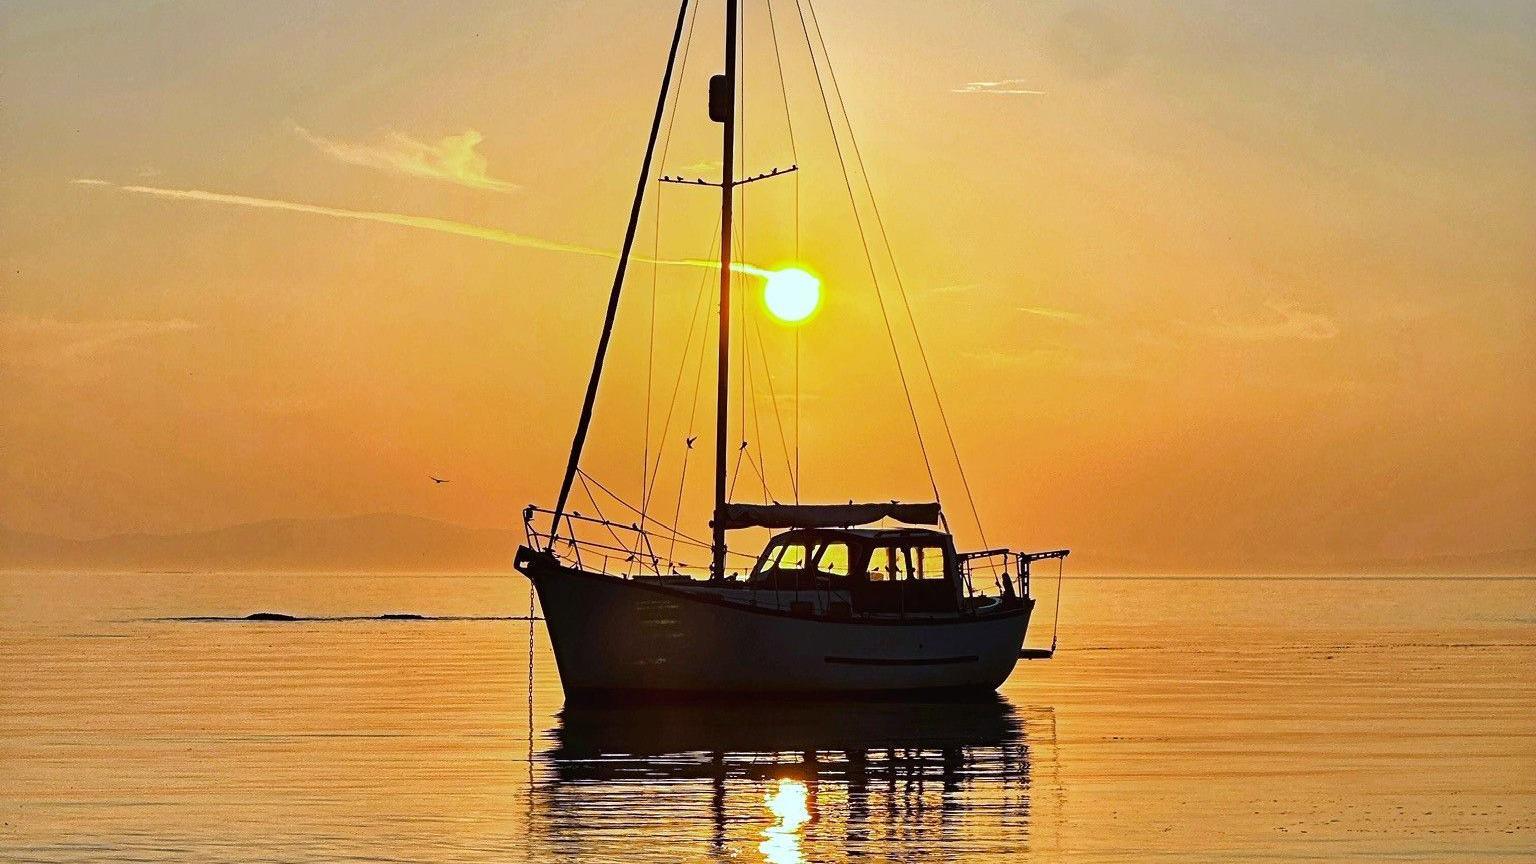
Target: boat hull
[{"x": 621, "y": 639}]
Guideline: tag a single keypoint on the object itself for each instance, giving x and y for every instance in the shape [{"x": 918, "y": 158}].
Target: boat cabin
[{"x": 879, "y": 570}]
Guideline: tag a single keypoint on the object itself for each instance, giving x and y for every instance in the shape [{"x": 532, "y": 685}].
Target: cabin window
[
  {"x": 905, "y": 578},
  {"x": 792, "y": 556},
  {"x": 927, "y": 562},
  {"x": 880, "y": 565},
  {"x": 902, "y": 563},
  {"x": 832, "y": 559}
]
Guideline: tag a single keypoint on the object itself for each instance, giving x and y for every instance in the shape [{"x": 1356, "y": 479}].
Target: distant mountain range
[
  {"x": 379, "y": 542},
  {"x": 390, "y": 542}
]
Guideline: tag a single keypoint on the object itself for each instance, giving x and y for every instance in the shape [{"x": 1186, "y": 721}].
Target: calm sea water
[{"x": 1216, "y": 719}]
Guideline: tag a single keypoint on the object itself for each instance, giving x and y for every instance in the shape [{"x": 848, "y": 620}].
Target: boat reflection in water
[{"x": 787, "y": 781}]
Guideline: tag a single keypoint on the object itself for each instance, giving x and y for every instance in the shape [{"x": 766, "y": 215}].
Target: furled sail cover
[{"x": 827, "y": 515}]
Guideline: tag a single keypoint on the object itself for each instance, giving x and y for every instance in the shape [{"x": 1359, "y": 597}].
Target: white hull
[{"x": 619, "y": 638}]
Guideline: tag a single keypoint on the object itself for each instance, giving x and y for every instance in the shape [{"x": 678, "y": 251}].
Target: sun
[{"x": 792, "y": 294}]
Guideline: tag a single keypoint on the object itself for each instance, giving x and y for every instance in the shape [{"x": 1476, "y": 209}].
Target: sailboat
[{"x": 848, "y": 599}]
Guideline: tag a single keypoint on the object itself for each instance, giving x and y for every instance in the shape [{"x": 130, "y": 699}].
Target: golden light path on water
[{"x": 787, "y": 802}]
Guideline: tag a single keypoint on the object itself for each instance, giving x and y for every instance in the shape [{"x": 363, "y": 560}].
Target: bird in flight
[{"x": 438, "y": 479}]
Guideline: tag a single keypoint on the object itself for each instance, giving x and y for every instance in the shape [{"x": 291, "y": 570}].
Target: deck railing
[
  {"x": 995, "y": 563},
  {"x": 631, "y": 551},
  {"x": 617, "y": 549}
]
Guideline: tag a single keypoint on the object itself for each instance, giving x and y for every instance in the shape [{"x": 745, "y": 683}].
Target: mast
[
  {"x": 585, "y": 423},
  {"x": 722, "y": 109}
]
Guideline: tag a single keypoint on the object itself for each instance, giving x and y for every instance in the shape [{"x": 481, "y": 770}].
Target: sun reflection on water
[{"x": 788, "y": 804}]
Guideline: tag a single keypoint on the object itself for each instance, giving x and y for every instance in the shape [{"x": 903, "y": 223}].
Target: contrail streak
[
  {"x": 1058, "y": 314},
  {"x": 406, "y": 220},
  {"x": 1007, "y": 86}
]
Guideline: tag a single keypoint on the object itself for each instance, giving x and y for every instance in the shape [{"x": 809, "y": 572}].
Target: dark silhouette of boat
[{"x": 830, "y": 607}]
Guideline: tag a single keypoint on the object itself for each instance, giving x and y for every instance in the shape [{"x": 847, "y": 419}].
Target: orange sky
[{"x": 1198, "y": 282}]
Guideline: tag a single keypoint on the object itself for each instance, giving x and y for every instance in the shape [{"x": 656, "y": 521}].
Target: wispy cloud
[
  {"x": 1287, "y": 322},
  {"x": 29, "y": 341},
  {"x": 404, "y": 220},
  {"x": 1056, "y": 314},
  {"x": 453, "y": 159},
  {"x": 1005, "y": 87}
]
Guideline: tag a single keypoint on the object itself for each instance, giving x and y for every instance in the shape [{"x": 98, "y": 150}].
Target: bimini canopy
[{"x": 827, "y": 515}]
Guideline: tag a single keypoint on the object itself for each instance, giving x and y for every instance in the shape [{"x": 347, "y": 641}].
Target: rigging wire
[
  {"x": 740, "y": 326},
  {"x": 901, "y": 374},
  {"x": 794, "y": 158},
  {"x": 1061, "y": 564},
  {"x": 650, "y": 352},
  {"x": 693, "y": 410},
  {"x": 748, "y": 397},
  {"x": 739, "y": 310},
  {"x": 757, "y": 418},
  {"x": 650, "y": 348},
  {"x": 749, "y": 381},
  {"x": 736, "y": 471},
  {"x": 752, "y": 463},
  {"x": 896, "y": 271},
  {"x": 650, "y": 469},
  {"x": 774, "y": 398},
  {"x": 634, "y": 556},
  {"x": 687, "y": 539},
  {"x": 655, "y": 473},
  {"x": 739, "y": 238},
  {"x": 584, "y": 423},
  {"x": 631, "y": 508},
  {"x": 677, "y": 512},
  {"x": 677, "y": 384},
  {"x": 748, "y": 392}
]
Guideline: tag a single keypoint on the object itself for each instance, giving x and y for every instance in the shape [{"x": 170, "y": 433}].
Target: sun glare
[
  {"x": 788, "y": 804},
  {"x": 792, "y": 294}
]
